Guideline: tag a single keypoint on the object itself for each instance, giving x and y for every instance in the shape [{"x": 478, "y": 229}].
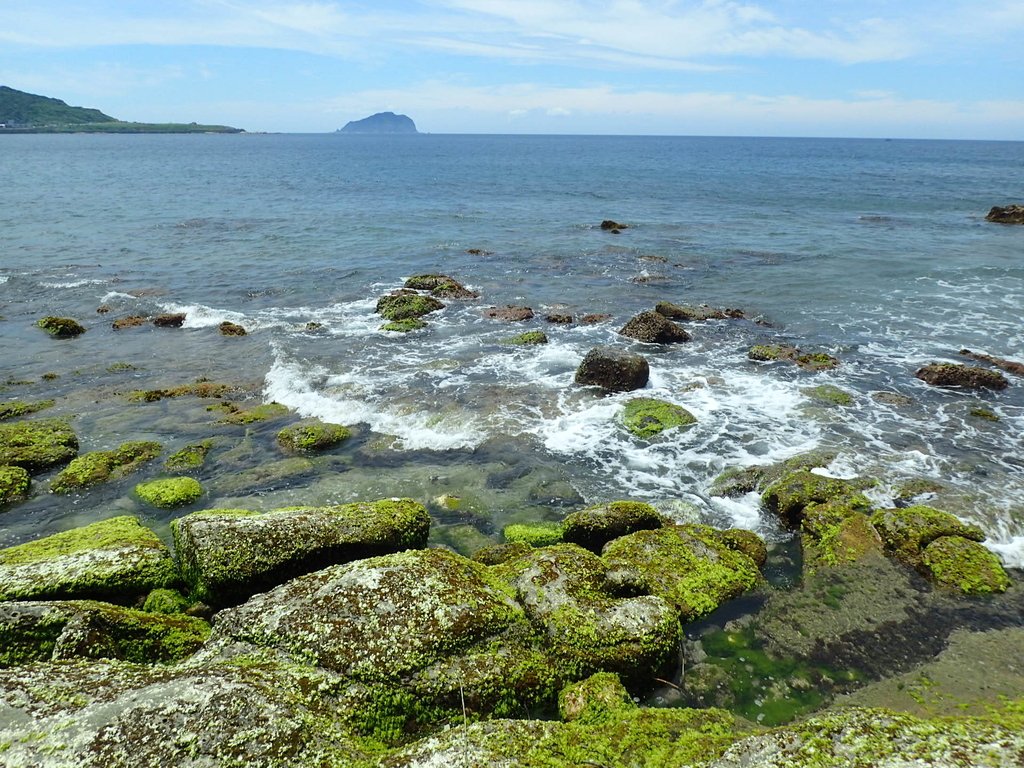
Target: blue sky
[{"x": 937, "y": 69}]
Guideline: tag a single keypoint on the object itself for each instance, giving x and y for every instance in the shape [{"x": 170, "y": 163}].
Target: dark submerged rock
[
  {"x": 441, "y": 286},
  {"x": 654, "y": 328},
  {"x": 133, "y": 321},
  {"x": 1007, "y": 214},
  {"x": 610, "y": 225},
  {"x": 1010, "y": 366},
  {"x": 955, "y": 375},
  {"x": 614, "y": 369}
]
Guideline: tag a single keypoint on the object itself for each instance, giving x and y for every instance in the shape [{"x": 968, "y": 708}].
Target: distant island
[
  {"x": 22, "y": 112},
  {"x": 382, "y": 122}
]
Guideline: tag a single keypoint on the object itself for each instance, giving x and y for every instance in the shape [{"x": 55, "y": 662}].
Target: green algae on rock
[
  {"x": 401, "y": 306},
  {"x": 594, "y": 700},
  {"x": 690, "y": 566},
  {"x": 14, "y": 485},
  {"x": 16, "y": 408},
  {"x": 228, "y": 555},
  {"x": 813, "y": 361},
  {"x": 533, "y": 534},
  {"x": 165, "y": 601},
  {"x": 170, "y": 492},
  {"x": 647, "y": 416},
  {"x": 441, "y": 286},
  {"x": 406, "y": 325},
  {"x": 736, "y": 481},
  {"x": 201, "y": 388},
  {"x": 37, "y": 445},
  {"x": 192, "y": 456},
  {"x": 790, "y": 495},
  {"x": 85, "y": 629},
  {"x": 965, "y": 566},
  {"x": 311, "y": 436},
  {"x": 258, "y": 413},
  {"x": 530, "y": 338},
  {"x": 61, "y": 327},
  {"x": 113, "y": 559},
  {"x": 595, "y": 526},
  {"x": 829, "y": 394},
  {"x": 907, "y": 531},
  {"x": 98, "y": 467}
]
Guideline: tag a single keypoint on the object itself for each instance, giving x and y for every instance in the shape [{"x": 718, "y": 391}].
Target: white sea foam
[
  {"x": 4, "y": 279},
  {"x": 72, "y": 283},
  {"x": 1010, "y": 551}
]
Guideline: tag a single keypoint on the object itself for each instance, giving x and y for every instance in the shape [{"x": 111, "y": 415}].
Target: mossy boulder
[
  {"x": 497, "y": 554},
  {"x": 381, "y": 619},
  {"x": 594, "y": 700},
  {"x": 228, "y": 555},
  {"x": 165, "y": 601},
  {"x": 646, "y": 417},
  {"x": 958, "y": 375},
  {"x": 530, "y": 338},
  {"x": 191, "y": 457},
  {"x": 256, "y": 414},
  {"x": 907, "y": 531},
  {"x": 14, "y": 485},
  {"x": 84, "y": 629},
  {"x": 402, "y": 306},
  {"x": 736, "y": 481},
  {"x": 407, "y": 325},
  {"x": 441, "y": 286},
  {"x": 809, "y": 361},
  {"x": 170, "y": 492},
  {"x": 98, "y": 467},
  {"x": 116, "y": 559},
  {"x": 829, "y": 394},
  {"x": 587, "y": 627},
  {"x": 654, "y": 328},
  {"x": 689, "y": 566},
  {"x": 37, "y": 445},
  {"x": 790, "y": 495},
  {"x": 595, "y": 526},
  {"x": 61, "y": 327},
  {"x": 16, "y": 408},
  {"x": 961, "y": 565},
  {"x": 533, "y": 534},
  {"x": 227, "y": 328},
  {"x": 245, "y": 711},
  {"x": 311, "y": 436},
  {"x": 837, "y": 533},
  {"x": 747, "y": 542}
]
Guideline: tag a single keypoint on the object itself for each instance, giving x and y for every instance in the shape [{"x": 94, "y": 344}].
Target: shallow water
[{"x": 874, "y": 251}]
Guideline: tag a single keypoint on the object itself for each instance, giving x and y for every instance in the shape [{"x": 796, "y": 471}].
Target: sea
[{"x": 874, "y": 251}]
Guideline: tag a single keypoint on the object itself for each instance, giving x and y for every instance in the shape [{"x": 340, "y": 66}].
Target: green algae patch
[
  {"x": 964, "y": 566},
  {"x": 61, "y": 327},
  {"x": 14, "y": 485},
  {"x": 829, "y": 394},
  {"x": 594, "y": 700},
  {"x": 907, "y": 531},
  {"x": 747, "y": 542},
  {"x": 533, "y": 534},
  {"x": 595, "y": 526},
  {"x": 837, "y": 534},
  {"x": 16, "y": 408},
  {"x": 528, "y": 339},
  {"x": 170, "y": 492},
  {"x": 402, "y": 306},
  {"x": 736, "y": 481},
  {"x": 102, "y": 466},
  {"x": 646, "y": 417},
  {"x": 165, "y": 601},
  {"x": 191, "y": 457},
  {"x": 113, "y": 559},
  {"x": 789, "y": 496},
  {"x": 37, "y": 445},
  {"x": 809, "y": 361},
  {"x": 441, "y": 286},
  {"x": 406, "y": 325},
  {"x": 201, "y": 388},
  {"x": 87, "y": 629},
  {"x": 311, "y": 436},
  {"x": 688, "y": 565},
  {"x": 258, "y": 413},
  {"x": 228, "y": 555}
]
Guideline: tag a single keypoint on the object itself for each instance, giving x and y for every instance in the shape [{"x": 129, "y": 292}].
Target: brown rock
[
  {"x": 1010, "y": 366},
  {"x": 594, "y": 319},
  {"x": 654, "y": 328},
  {"x": 175, "y": 320},
  {"x": 613, "y": 369},
  {"x": 509, "y": 314},
  {"x": 127, "y": 322},
  {"x": 610, "y": 225},
  {"x": 967, "y": 376},
  {"x": 1009, "y": 214},
  {"x": 559, "y": 319},
  {"x": 228, "y": 328}
]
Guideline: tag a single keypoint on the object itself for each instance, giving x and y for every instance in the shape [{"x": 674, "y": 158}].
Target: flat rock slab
[
  {"x": 229, "y": 555},
  {"x": 117, "y": 559}
]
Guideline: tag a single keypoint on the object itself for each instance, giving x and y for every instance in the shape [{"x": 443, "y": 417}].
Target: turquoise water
[{"x": 874, "y": 251}]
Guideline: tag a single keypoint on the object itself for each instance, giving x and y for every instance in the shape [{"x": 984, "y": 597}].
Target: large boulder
[
  {"x": 595, "y": 526},
  {"x": 61, "y": 327},
  {"x": 117, "y": 559},
  {"x": 228, "y": 555},
  {"x": 961, "y": 565},
  {"x": 614, "y": 369},
  {"x": 36, "y": 631},
  {"x": 1006, "y": 214},
  {"x": 654, "y": 328},
  {"x": 406, "y": 304},
  {"x": 790, "y": 495},
  {"x": 587, "y": 627},
  {"x": 37, "y": 445},
  {"x": 907, "y": 531},
  {"x": 966, "y": 376}
]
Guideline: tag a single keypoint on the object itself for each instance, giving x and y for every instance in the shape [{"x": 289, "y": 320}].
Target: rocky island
[
  {"x": 382, "y": 122},
  {"x": 22, "y": 112}
]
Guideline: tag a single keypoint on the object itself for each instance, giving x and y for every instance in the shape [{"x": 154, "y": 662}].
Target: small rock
[
  {"x": 175, "y": 320},
  {"x": 128, "y": 322},
  {"x": 594, "y": 319},
  {"x": 654, "y": 328},
  {"x": 610, "y": 225},
  {"x": 509, "y": 314},
  {"x": 557, "y": 319},
  {"x": 227, "y": 328},
  {"x": 613, "y": 369},
  {"x": 61, "y": 327},
  {"x": 1008, "y": 214}
]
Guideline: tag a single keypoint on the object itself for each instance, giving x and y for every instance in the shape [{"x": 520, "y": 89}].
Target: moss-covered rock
[
  {"x": 201, "y": 388},
  {"x": 61, "y": 327},
  {"x": 595, "y": 526},
  {"x": 380, "y": 619},
  {"x": 441, "y": 286},
  {"x": 165, "y": 601},
  {"x": 406, "y": 325},
  {"x": 736, "y": 481},
  {"x": 401, "y": 306},
  {"x": 311, "y": 436},
  {"x": 227, "y": 328},
  {"x": 747, "y": 542},
  {"x": 14, "y": 485},
  {"x": 533, "y": 534},
  {"x": 837, "y": 533},
  {"x": 790, "y": 495},
  {"x": 170, "y": 492},
  {"x": 229, "y": 555},
  {"x": 654, "y": 328},
  {"x": 98, "y": 467},
  {"x": 116, "y": 559},
  {"x": 829, "y": 394},
  {"x": 191, "y": 457},
  {"x": 690, "y": 566},
  {"x": 587, "y": 627},
  {"x": 809, "y": 361},
  {"x": 530, "y": 338},
  {"x": 501, "y": 553},
  {"x": 16, "y": 408},
  {"x": 258, "y": 413},
  {"x": 594, "y": 700},
  {"x": 907, "y": 531},
  {"x": 34, "y": 631},
  {"x": 37, "y": 445},
  {"x": 961, "y": 565},
  {"x": 957, "y": 375},
  {"x": 647, "y": 416},
  {"x": 262, "y": 477}
]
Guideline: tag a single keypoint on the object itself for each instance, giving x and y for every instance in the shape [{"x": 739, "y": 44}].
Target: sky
[{"x": 858, "y": 68}]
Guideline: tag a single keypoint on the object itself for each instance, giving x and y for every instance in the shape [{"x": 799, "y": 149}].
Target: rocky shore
[{"x": 613, "y": 634}]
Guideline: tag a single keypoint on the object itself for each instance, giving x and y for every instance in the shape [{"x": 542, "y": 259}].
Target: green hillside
[{"x": 22, "y": 112}]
